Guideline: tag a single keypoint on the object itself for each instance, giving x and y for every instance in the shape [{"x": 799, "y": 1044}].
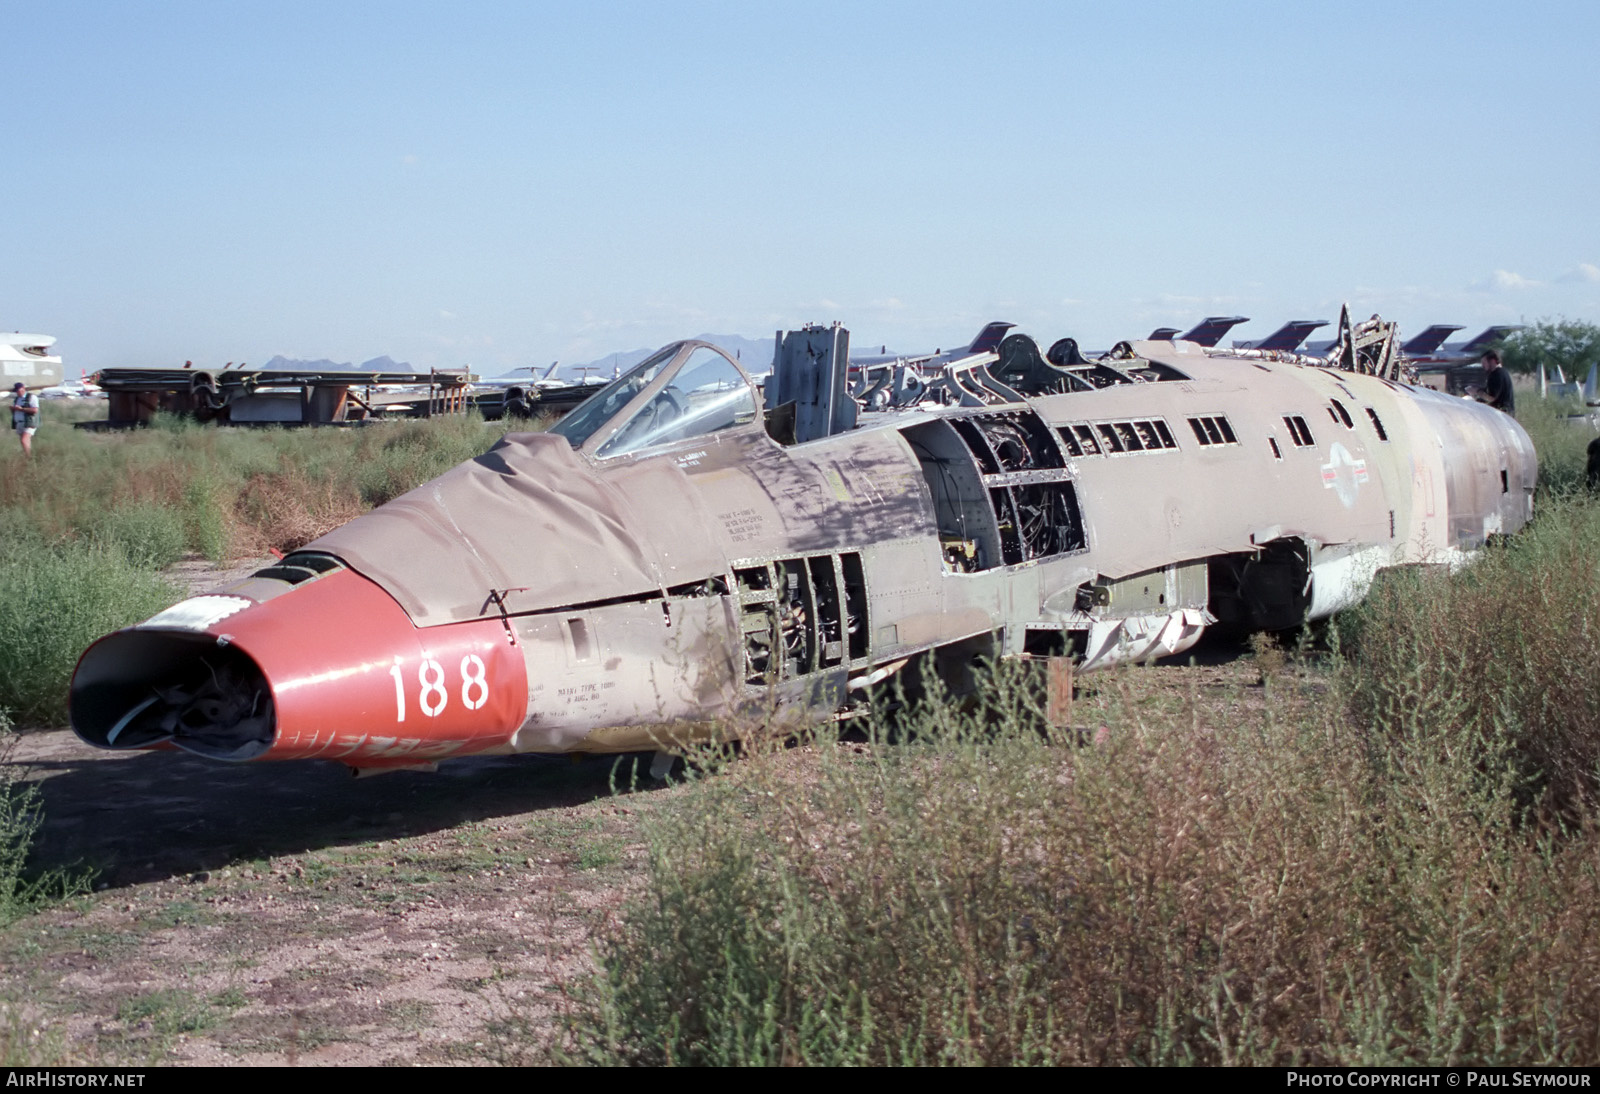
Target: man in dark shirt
[{"x": 1497, "y": 384}]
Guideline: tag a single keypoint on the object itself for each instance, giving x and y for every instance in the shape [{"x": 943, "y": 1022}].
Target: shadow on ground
[
  {"x": 148, "y": 816},
  {"x": 143, "y": 817}
]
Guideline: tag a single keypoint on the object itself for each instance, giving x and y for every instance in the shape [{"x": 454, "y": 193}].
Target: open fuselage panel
[{"x": 1001, "y": 490}]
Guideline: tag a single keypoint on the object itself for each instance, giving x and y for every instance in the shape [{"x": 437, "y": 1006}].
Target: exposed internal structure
[
  {"x": 794, "y": 620},
  {"x": 1001, "y": 489}
]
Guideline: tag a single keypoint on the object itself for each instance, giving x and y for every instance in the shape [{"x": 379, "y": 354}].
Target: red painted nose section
[
  {"x": 332, "y": 669},
  {"x": 352, "y": 678}
]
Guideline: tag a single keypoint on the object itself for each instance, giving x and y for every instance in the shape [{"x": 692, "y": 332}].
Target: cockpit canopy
[{"x": 687, "y": 389}]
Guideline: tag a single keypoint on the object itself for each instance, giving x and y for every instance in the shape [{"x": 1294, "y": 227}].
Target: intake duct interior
[{"x": 139, "y": 688}]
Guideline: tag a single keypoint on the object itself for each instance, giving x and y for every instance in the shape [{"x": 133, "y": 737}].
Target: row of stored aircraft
[{"x": 1431, "y": 347}]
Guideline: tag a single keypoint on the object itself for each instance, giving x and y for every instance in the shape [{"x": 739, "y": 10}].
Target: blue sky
[{"x": 505, "y": 184}]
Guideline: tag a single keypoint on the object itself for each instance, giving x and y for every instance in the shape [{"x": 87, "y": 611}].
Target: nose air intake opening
[{"x": 135, "y": 689}]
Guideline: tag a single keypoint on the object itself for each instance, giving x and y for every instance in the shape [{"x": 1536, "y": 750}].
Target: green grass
[
  {"x": 181, "y": 913},
  {"x": 56, "y": 600},
  {"x": 1560, "y": 440},
  {"x": 596, "y": 854}
]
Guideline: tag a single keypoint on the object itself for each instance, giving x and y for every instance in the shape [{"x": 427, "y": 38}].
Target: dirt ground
[{"x": 292, "y": 914}]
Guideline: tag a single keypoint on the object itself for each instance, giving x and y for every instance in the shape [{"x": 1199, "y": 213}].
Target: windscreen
[
  {"x": 605, "y": 404},
  {"x": 706, "y": 393}
]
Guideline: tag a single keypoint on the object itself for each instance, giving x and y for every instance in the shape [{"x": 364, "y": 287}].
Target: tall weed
[
  {"x": 411, "y": 453},
  {"x": 1561, "y": 434},
  {"x": 151, "y": 536},
  {"x": 208, "y": 518},
  {"x": 1506, "y": 651},
  {"x": 1307, "y": 890},
  {"x": 22, "y": 890},
  {"x": 54, "y": 601}
]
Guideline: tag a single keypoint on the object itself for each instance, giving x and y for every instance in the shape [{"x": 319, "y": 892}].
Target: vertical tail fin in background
[
  {"x": 988, "y": 339},
  {"x": 1428, "y": 342},
  {"x": 1488, "y": 338},
  {"x": 1287, "y": 337},
  {"x": 1208, "y": 332}
]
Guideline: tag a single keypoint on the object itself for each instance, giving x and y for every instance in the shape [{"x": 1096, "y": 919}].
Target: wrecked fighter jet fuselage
[{"x": 670, "y": 557}]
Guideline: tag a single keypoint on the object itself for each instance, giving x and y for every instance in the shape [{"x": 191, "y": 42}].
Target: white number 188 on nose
[{"x": 433, "y": 698}]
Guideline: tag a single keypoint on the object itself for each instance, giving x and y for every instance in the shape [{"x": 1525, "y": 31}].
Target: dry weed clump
[
  {"x": 223, "y": 492},
  {"x": 286, "y": 511},
  {"x": 990, "y": 891}
]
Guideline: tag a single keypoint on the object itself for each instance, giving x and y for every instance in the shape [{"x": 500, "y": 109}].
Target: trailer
[{"x": 279, "y": 396}]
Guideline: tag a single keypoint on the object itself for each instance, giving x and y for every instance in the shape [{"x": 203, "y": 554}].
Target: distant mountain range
[{"x": 755, "y": 354}]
